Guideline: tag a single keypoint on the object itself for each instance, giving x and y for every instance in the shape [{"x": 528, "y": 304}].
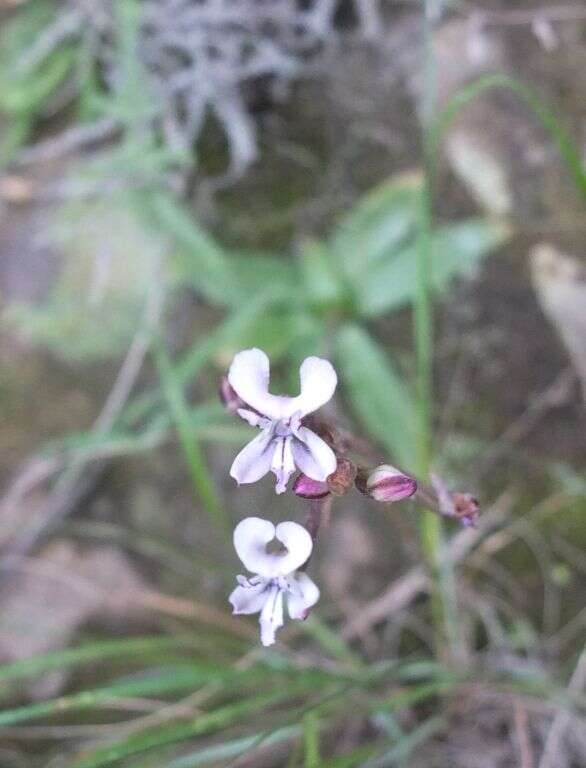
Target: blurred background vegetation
[{"x": 394, "y": 185}]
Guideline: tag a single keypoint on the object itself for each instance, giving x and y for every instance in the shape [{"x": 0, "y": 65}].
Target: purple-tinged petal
[
  {"x": 228, "y": 395},
  {"x": 312, "y": 455},
  {"x": 254, "y": 460},
  {"x": 307, "y": 488},
  {"x": 302, "y": 595}
]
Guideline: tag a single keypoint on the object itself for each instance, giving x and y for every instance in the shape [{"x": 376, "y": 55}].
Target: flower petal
[
  {"x": 318, "y": 384},
  {"x": 254, "y": 460},
  {"x": 251, "y": 537},
  {"x": 249, "y": 597},
  {"x": 271, "y": 617},
  {"x": 299, "y": 544},
  {"x": 249, "y": 376},
  {"x": 312, "y": 455},
  {"x": 282, "y": 464},
  {"x": 254, "y": 419},
  {"x": 302, "y": 595}
]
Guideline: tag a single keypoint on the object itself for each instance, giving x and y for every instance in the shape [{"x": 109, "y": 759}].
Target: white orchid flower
[
  {"x": 284, "y": 443},
  {"x": 276, "y": 576}
]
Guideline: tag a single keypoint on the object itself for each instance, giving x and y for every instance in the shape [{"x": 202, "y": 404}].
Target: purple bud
[
  {"x": 386, "y": 483},
  {"x": 228, "y": 396},
  {"x": 308, "y": 488}
]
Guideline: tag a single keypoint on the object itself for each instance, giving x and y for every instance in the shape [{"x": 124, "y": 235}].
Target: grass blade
[{"x": 180, "y": 414}]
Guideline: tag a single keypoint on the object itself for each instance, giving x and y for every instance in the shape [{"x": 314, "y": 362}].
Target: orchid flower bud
[
  {"x": 386, "y": 483},
  {"x": 466, "y": 508},
  {"x": 308, "y": 488}
]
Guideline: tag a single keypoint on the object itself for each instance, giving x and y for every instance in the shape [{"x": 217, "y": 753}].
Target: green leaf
[
  {"x": 182, "y": 679},
  {"x": 379, "y": 396},
  {"x": 278, "y": 331},
  {"x": 253, "y": 272},
  {"x": 91, "y": 653},
  {"x": 225, "y": 279},
  {"x": 180, "y": 415},
  {"x": 380, "y": 224},
  {"x": 311, "y": 740},
  {"x": 321, "y": 284},
  {"x": 234, "y": 748},
  {"x": 28, "y": 93},
  {"x": 200, "y": 255},
  {"x": 210, "y": 722},
  {"x": 456, "y": 249},
  {"x": 405, "y": 745}
]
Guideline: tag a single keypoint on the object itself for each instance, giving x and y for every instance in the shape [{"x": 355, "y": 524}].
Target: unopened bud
[
  {"x": 386, "y": 483},
  {"x": 466, "y": 508},
  {"x": 308, "y": 488},
  {"x": 340, "y": 481},
  {"x": 228, "y": 396}
]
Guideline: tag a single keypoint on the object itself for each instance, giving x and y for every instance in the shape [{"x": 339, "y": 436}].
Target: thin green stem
[
  {"x": 430, "y": 526},
  {"x": 566, "y": 146},
  {"x": 179, "y": 411}
]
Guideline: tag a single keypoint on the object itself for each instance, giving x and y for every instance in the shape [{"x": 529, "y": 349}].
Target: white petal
[
  {"x": 249, "y": 377},
  {"x": 312, "y": 455},
  {"x": 282, "y": 464},
  {"x": 299, "y": 544},
  {"x": 253, "y": 418},
  {"x": 251, "y": 537},
  {"x": 249, "y": 597},
  {"x": 254, "y": 460},
  {"x": 271, "y": 617},
  {"x": 302, "y": 595},
  {"x": 318, "y": 383}
]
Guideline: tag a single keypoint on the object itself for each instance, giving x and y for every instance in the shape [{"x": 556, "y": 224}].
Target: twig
[
  {"x": 72, "y": 140},
  {"x": 403, "y": 591},
  {"x": 530, "y": 16},
  {"x": 553, "y": 396},
  {"x": 522, "y": 731},
  {"x": 74, "y": 483},
  {"x": 563, "y": 718}
]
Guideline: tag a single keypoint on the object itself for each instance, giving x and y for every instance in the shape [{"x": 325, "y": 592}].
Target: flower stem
[{"x": 430, "y": 525}]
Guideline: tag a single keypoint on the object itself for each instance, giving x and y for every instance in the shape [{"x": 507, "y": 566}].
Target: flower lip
[
  {"x": 249, "y": 377},
  {"x": 251, "y": 537}
]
